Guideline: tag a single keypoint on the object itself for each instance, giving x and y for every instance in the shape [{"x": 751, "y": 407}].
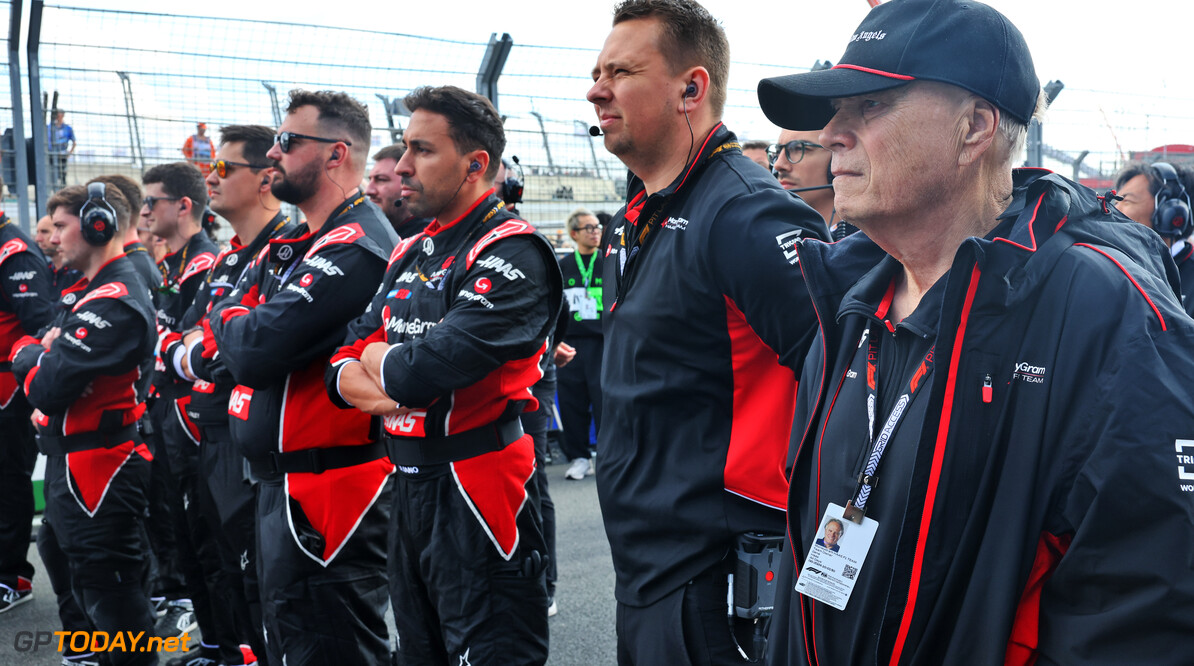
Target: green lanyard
[{"x": 586, "y": 274}]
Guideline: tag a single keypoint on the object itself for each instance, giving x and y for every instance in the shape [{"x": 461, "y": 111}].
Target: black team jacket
[{"x": 1051, "y": 497}]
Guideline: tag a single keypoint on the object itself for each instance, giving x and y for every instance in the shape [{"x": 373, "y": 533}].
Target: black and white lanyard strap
[{"x": 868, "y": 479}]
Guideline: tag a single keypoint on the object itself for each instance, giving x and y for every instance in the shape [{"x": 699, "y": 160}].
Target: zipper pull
[{"x": 988, "y": 391}]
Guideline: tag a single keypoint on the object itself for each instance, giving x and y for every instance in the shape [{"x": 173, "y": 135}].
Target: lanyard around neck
[{"x": 586, "y": 274}]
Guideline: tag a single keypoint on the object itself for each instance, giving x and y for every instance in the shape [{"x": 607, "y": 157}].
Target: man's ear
[{"x": 979, "y": 129}]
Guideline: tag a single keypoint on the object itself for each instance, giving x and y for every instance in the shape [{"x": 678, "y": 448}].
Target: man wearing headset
[
  {"x": 385, "y": 188},
  {"x": 87, "y": 377},
  {"x": 1157, "y": 195},
  {"x": 239, "y": 185},
  {"x": 800, "y": 163},
  {"x": 701, "y": 349},
  {"x": 322, "y": 500},
  {"x": 446, "y": 354}
]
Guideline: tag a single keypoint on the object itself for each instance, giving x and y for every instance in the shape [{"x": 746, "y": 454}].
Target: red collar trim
[{"x": 436, "y": 226}]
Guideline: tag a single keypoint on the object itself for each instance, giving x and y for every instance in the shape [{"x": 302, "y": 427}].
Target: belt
[
  {"x": 315, "y": 461},
  {"x": 60, "y": 445},
  {"x": 415, "y": 451}
]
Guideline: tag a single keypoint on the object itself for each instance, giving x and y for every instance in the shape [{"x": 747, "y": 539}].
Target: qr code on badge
[{"x": 849, "y": 572}]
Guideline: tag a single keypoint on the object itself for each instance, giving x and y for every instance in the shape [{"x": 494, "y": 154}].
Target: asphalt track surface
[{"x": 582, "y": 634}]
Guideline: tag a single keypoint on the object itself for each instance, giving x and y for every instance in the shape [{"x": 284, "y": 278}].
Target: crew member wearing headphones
[
  {"x": 446, "y": 354},
  {"x": 1157, "y": 195},
  {"x": 93, "y": 365},
  {"x": 802, "y": 165}
]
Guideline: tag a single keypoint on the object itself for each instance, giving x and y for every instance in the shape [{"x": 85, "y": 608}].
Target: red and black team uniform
[
  {"x": 143, "y": 261},
  {"x": 225, "y": 495},
  {"x": 26, "y": 306},
  {"x": 321, "y": 505},
  {"x": 467, "y": 307},
  {"x": 88, "y": 389},
  {"x": 61, "y": 278},
  {"x": 175, "y": 442},
  {"x": 698, "y": 380}
]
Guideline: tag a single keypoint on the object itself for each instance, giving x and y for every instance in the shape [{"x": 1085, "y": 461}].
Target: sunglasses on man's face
[
  {"x": 150, "y": 202},
  {"x": 285, "y": 139},
  {"x": 221, "y": 166}
]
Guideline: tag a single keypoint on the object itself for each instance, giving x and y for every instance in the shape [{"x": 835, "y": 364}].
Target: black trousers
[
  {"x": 229, "y": 504},
  {"x": 316, "y": 615},
  {"x": 105, "y": 551},
  {"x": 688, "y": 627},
  {"x": 535, "y": 424},
  {"x": 167, "y": 579},
  {"x": 197, "y": 551},
  {"x": 467, "y": 589},
  {"x": 580, "y": 392},
  {"x": 18, "y": 455}
]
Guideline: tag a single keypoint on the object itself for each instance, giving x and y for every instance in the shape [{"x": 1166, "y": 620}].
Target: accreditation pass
[{"x": 832, "y": 565}]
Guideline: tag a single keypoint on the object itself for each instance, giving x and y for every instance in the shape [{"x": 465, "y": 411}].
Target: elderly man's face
[{"x": 894, "y": 150}]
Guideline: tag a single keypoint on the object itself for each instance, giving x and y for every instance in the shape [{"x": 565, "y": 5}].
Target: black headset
[
  {"x": 97, "y": 218},
  {"x": 510, "y": 190},
  {"x": 1171, "y": 204}
]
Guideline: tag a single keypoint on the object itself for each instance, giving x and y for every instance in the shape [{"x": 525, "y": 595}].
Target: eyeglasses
[
  {"x": 283, "y": 139},
  {"x": 221, "y": 167},
  {"x": 589, "y": 228},
  {"x": 150, "y": 202},
  {"x": 793, "y": 150}
]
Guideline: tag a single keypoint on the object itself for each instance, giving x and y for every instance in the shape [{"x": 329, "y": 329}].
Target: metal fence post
[
  {"x": 492, "y": 64},
  {"x": 20, "y": 155},
  {"x": 273, "y": 104},
  {"x": 37, "y": 114},
  {"x": 130, "y": 112}
]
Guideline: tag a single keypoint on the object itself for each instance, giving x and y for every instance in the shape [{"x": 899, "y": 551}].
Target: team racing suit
[
  {"x": 88, "y": 391},
  {"x": 26, "y": 305},
  {"x": 467, "y": 307},
  {"x": 1035, "y": 508},
  {"x": 322, "y": 502},
  {"x": 700, "y": 366},
  {"x": 225, "y": 497}
]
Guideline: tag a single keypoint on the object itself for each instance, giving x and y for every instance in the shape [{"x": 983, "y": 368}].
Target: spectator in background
[
  {"x": 385, "y": 190},
  {"x": 580, "y": 381},
  {"x": 757, "y": 152},
  {"x": 706, "y": 329},
  {"x": 800, "y": 162},
  {"x": 199, "y": 149},
  {"x": 1157, "y": 195},
  {"x": 62, "y": 146}
]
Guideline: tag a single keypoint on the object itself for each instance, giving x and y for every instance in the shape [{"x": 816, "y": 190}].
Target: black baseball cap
[{"x": 960, "y": 42}]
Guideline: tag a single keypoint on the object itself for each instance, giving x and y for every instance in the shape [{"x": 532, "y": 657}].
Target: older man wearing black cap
[{"x": 971, "y": 407}]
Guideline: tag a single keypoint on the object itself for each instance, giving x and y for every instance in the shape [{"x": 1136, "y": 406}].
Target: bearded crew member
[
  {"x": 322, "y": 502},
  {"x": 446, "y": 355},
  {"x": 86, "y": 377}
]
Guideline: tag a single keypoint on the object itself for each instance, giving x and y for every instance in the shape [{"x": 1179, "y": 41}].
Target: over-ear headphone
[
  {"x": 691, "y": 90},
  {"x": 97, "y": 218},
  {"x": 1171, "y": 210},
  {"x": 474, "y": 166}
]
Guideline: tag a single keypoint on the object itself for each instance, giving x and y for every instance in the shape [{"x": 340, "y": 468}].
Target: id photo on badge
[{"x": 836, "y": 557}]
